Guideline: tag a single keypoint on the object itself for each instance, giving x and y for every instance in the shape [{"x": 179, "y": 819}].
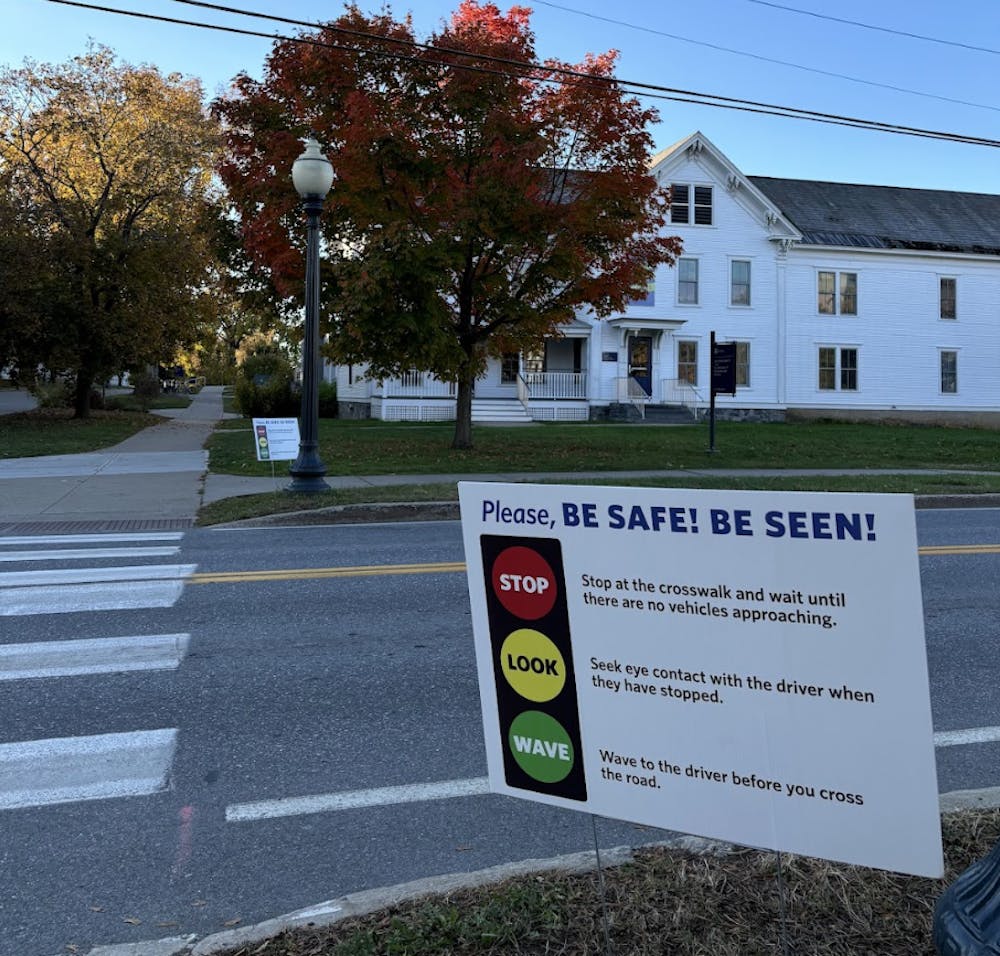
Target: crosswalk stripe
[
  {"x": 107, "y": 655},
  {"x": 87, "y": 554},
  {"x": 114, "y": 596},
  {"x": 64, "y": 770},
  {"x": 121, "y": 538},
  {"x": 355, "y": 799},
  {"x": 139, "y": 572}
]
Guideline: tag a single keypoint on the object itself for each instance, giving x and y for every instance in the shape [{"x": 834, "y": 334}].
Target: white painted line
[
  {"x": 973, "y": 735},
  {"x": 64, "y": 770},
  {"x": 114, "y": 596},
  {"x": 88, "y": 554},
  {"x": 355, "y": 799},
  {"x": 131, "y": 536},
  {"x": 473, "y": 786},
  {"x": 108, "y": 655},
  {"x": 139, "y": 572}
]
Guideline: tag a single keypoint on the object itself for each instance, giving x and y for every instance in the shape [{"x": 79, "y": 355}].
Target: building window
[
  {"x": 687, "y": 362},
  {"x": 739, "y": 282},
  {"x": 742, "y": 364},
  {"x": 510, "y": 365},
  {"x": 703, "y": 205},
  {"x": 949, "y": 372},
  {"x": 838, "y": 369},
  {"x": 949, "y": 298},
  {"x": 687, "y": 281},
  {"x": 828, "y": 284},
  {"x": 682, "y": 207}
]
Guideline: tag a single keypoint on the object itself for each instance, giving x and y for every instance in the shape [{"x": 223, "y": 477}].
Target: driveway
[{"x": 15, "y": 400}]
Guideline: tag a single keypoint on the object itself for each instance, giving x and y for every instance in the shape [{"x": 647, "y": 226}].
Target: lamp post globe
[{"x": 312, "y": 175}]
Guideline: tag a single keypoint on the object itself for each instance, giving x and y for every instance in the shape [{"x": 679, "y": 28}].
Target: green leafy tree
[
  {"x": 107, "y": 169},
  {"x": 476, "y": 205}
]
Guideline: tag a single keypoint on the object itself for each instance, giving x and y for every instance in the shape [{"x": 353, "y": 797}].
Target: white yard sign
[
  {"x": 748, "y": 666},
  {"x": 276, "y": 439}
]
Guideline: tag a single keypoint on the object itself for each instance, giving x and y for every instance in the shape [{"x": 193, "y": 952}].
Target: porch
[{"x": 532, "y": 396}]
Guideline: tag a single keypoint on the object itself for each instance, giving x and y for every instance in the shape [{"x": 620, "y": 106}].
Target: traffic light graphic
[{"x": 533, "y": 665}]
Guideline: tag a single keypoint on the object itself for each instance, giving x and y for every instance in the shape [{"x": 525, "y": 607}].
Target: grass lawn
[
  {"x": 56, "y": 432},
  {"x": 377, "y": 448},
  {"x": 279, "y": 502},
  {"x": 667, "y": 901},
  {"x": 129, "y": 403}
]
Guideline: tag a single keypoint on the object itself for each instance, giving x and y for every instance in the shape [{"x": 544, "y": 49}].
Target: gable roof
[
  {"x": 721, "y": 168},
  {"x": 887, "y": 217}
]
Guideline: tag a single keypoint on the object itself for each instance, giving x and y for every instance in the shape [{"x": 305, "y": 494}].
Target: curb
[
  {"x": 353, "y": 514},
  {"x": 330, "y": 912},
  {"x": 449, "y": 511}
]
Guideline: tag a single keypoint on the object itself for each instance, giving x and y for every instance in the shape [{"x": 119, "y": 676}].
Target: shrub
[
  {"x": 327, "y": 399},
  {"x": 264, "y": 387},
  {"x": 53, "y": 394}
]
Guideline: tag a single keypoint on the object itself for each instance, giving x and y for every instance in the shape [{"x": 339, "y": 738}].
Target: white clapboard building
[{"x": 844, "y": 300}]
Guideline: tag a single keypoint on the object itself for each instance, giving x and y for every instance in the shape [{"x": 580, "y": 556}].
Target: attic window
[{"x": 682, "y": 207}]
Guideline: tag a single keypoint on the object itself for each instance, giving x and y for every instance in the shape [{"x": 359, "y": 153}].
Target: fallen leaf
[
  {"x": 233, "y": 922},
  {"x": 72, "y": 947},
  {"x": 132, "y": 920},
  {"x": 165, "y": 924},
  {"x": 200, "y": 903},
  {"x": 462, "y": 848},
  {"x": 97, "y": 909}
]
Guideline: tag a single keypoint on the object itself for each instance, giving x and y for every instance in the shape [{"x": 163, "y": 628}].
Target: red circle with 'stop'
[{"x": 524, "y": 583}]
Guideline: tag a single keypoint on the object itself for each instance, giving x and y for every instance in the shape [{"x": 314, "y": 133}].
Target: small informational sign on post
[
  {"x": 276, "y": 439},
  {"x": 748, "y": 666}
]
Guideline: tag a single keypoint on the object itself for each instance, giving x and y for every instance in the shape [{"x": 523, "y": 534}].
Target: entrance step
[
  {"x": 654, "y": 414},
  {"x": 505, "y": 411}
]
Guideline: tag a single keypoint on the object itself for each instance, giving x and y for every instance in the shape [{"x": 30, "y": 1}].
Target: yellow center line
[
  {"x": 457, "y": 567},
  {"x": 233, "y": 577},
  {"x": 960, "y": 549}
]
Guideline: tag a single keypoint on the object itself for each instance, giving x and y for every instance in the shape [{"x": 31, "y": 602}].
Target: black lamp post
[{"x": 312, "y": 175}]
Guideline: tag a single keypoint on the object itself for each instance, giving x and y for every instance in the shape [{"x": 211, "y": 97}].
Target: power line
[
  {"x": 633, "y": 87},
  {"x": 761, "y": 57},
  {"x": 872, "y": 26},
  {"x": 654, "y": 89}
]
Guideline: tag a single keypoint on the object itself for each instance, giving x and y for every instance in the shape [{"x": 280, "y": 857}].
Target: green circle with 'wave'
[{"x": 541, "y": 746}]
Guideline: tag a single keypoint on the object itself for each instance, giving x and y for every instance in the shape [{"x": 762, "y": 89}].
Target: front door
[{"x": 640, "y": 361}]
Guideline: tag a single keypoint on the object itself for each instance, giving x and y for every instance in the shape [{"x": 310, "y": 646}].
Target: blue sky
[{"x": 758, "y": 145}]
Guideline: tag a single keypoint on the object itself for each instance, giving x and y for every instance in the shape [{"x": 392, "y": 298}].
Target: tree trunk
[
  {"x": 463, "y": 410},
  {"x": 81, "y": 394}
]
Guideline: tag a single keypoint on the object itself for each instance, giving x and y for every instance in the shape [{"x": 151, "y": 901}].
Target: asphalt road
[{"x": 252, "y": 693}]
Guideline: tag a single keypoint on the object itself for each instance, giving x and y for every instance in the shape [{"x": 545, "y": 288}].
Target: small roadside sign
[{"x": 276, "y": 439}]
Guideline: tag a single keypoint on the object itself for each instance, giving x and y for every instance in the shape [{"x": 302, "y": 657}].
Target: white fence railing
[
  {"x": 417, "y": 384},
  {"x": 629, "y": 391},
  {"x": 523, "y": 393},
  {"x": 679, "y": 391},
  {"x": 555, "y": 384}
]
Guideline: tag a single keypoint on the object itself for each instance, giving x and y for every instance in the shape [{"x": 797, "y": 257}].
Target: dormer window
[{"x": 690, "y": 204}]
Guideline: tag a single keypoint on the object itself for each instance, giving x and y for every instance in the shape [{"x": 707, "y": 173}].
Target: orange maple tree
[{"x": 481, "y": 198}]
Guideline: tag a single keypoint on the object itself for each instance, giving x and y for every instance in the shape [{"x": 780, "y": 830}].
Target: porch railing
[
  {"x": 523, "y": 392},
  {"x": 679, "y": 391},
  {"x": 416, "y": 384},
  {"x": 629, "y": 391},
  {"x": 548, "y": 385}
]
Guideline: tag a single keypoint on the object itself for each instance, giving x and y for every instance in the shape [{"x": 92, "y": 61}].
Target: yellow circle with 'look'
[{"x": 533, "y": 665}]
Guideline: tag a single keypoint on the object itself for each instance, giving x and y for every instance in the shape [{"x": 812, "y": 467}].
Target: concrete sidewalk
[{"x": 151, "y": 480}]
